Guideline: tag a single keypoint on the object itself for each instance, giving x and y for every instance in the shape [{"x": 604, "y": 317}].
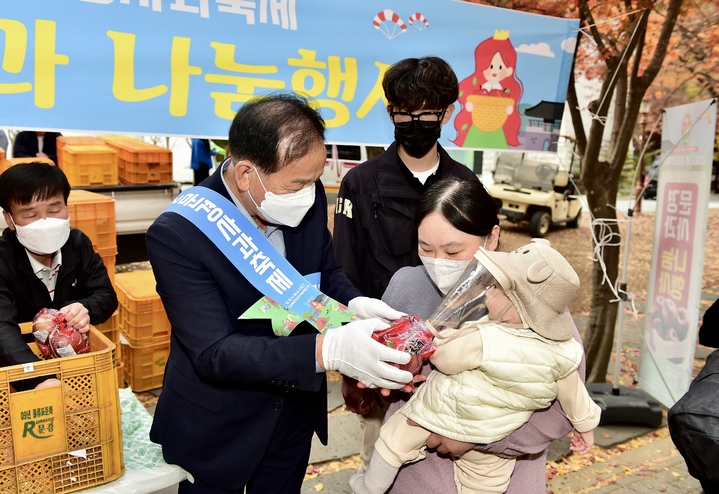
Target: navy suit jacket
[{"x": 226, "y": 379}]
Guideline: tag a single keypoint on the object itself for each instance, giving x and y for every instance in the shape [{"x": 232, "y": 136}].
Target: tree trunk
[
  {"x": 599, "y": 334},
  {"x": 602, "y": 178}
]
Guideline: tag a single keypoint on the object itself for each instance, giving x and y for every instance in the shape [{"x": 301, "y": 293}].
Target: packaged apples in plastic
[
  {"x": 43, "y": 324},
  {"x": 55, "y": 338},
  {"x": 409, "y": 334}
]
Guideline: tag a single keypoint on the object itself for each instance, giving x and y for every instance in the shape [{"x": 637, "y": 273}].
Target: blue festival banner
[{"x": 184, "y": 67}]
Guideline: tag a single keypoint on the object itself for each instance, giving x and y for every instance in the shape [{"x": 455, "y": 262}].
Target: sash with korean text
[{"x": 289, "y": 298}]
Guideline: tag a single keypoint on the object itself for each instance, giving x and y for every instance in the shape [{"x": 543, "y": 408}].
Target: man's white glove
[
  {"x": 351, "y": 350},
  {"x": 373, "y": 307}
]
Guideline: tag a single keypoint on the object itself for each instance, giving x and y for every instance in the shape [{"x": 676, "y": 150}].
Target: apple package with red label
[{"x": 411, "y": 335}]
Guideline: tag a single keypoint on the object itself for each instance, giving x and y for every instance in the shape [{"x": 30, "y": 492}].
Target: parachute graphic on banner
[
  {"x": 389, "y": 23},
  {"x": 418, "y": 20}
]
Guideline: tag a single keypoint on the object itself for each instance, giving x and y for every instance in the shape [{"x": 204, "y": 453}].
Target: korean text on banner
[
  {"x": 184, "y": 67},
  {"x": 672, "y": 314}
]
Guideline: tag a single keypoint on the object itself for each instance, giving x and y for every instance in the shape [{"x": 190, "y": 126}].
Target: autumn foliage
[{"x": 639, "y": 51}]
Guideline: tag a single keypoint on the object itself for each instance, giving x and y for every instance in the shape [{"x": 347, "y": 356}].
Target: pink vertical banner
[
  {"x": 669, "y": 321},
  {"x": 675, "y": 278}
]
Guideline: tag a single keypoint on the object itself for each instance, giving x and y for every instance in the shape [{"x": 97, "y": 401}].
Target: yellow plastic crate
[
  {"x": 142, "y": 315},
  {"x": 61, "y": 141},
  {"x": 111, "y": 330},
  {"x": 124, "y": 144},
  {"x": 94, "y": 215},
  {"x": 144, "y": 365},
  {"x": 130, "y": 172},
  {"x": 140, "y": 162},
  {"x": 89, "y": 165},
  {"x": 111, "y": 140},
  {"x": 7, "y": 163},
  {"x": 143, "y": 152},
  {"x": 121, "y": 376},
  {"x": 64, "y": 438},
  {"x": 109, "y": 257}
]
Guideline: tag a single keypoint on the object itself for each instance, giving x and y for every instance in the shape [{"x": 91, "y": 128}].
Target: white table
[{"x": 145, "y": 470}]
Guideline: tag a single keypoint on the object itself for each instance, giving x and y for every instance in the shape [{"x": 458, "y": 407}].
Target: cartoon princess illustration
[{"x": 489, "y": 98}]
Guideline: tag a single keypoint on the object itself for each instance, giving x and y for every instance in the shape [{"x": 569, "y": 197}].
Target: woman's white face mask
[
  {"x": 444, "y": 272},
  {"x": 285, "y": 209},
  {"x": 44, "y": 236}
]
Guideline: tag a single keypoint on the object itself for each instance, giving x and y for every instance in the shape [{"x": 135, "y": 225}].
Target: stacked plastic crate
[
  {"x": 87, "y": 160},
  {"x": 6, "y": 163},
  {"x": 94, "y": 215},
  {"x": 62, "y": 438},
  {"x": 140, "y": 162},
  {"x": 75, "y": 141},
  {"x": 145, "y": 328}
]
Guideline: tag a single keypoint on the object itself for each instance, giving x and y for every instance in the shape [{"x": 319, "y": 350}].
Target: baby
[{"x": 491, "y": 374}]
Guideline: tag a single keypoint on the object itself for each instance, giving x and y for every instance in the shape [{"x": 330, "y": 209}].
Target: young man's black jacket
[
  {"x": 374, "y": 230},
  {"x": 82, "y": 278}
]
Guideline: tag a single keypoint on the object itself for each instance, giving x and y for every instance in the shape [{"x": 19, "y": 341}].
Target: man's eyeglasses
[{"x": 427, "y": 119}]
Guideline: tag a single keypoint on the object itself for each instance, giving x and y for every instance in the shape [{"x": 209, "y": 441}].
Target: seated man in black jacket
[{"x": 45, "y": 263}]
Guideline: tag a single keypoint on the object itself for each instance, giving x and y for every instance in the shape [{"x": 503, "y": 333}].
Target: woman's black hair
[{"x": 465, "y": 204}]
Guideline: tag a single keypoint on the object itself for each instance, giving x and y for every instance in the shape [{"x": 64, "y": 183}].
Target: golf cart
[{"x": 536, "y": 192}]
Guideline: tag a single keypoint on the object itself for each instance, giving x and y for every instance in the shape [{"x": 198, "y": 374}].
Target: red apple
[
  {"x": 66, "y": 341},
  {"x": 44, "y": 349},
  {"x": 43, "y": 323}
]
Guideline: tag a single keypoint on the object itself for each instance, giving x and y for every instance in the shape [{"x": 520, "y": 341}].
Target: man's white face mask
[
  {"x": 285, "y": 209},
  {"x": 44, "y": 236}
]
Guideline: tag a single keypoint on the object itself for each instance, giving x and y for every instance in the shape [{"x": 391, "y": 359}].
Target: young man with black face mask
[
  {"x": 374, "y": 230},
  {"x": 44, "y": 263}
]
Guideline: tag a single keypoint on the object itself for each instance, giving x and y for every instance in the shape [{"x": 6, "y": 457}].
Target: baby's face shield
[{"x": 466, "y": 300}]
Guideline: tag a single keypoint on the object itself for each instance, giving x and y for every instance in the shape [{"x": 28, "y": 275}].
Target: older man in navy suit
[{"x": 239, "y": 404}]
